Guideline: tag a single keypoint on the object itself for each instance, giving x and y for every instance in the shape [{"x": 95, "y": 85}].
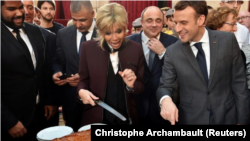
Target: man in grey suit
[{"x": 210, "y": 72}]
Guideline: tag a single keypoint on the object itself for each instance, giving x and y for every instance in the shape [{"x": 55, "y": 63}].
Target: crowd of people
[{"x": 187, "y": 65}]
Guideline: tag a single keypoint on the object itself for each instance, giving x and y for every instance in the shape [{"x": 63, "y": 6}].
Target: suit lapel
[
  {"x": 213, "y": 53},
  {"x": 13, "y": 40},
  {"x": 191, "y": 58},
  {"x": 32, "y": 41},
  {"x": 72, "y": 41},
  {"x": 94, "y": 33}
]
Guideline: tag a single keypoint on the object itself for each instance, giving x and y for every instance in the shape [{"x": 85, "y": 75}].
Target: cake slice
[{"x": 77, "y": 136}]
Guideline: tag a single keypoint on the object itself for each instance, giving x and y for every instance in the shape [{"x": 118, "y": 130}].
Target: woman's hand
[
  {"x": 87, "y": 97},
  {"x": 128, "y": 77}
]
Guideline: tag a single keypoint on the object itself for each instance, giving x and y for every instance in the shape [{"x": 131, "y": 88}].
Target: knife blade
[{"x": 110, "y": 109}]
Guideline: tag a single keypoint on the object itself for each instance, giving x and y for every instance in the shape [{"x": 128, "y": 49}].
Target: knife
[{"x": 110, "y": 109}]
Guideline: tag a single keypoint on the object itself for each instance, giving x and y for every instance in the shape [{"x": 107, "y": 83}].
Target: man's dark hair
[
  {"x": 41, "y": 2},
  {"x": 169, "y": 16},
  {"x": 76, "y": 6},
  {"x": 37, "y": 9},
  {"x": 209, "y": 7},
  {"x": 200, "y": 7}
]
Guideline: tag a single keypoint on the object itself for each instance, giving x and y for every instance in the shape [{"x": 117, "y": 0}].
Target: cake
[{"x": 77, "y": 136}]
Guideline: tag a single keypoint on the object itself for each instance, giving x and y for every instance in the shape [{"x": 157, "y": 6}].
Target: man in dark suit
[
  {"x": 24, "y": 73},
  {"x": 210, "y": 72},
  {"x": 47, "y": 109},
  {"x": 67, "y": 58},
  {"x": 153, "y": 42}
]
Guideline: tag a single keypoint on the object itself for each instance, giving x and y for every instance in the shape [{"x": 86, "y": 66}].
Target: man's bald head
[
  {"x": 147, "y": 9},
  {"x": 152, "y": 21}
]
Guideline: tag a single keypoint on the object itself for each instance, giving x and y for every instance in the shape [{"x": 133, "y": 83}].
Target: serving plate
[{"x": 87, "y": 127}]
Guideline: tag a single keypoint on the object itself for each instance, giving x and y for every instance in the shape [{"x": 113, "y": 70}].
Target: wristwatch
[
  {"x": 162, "y": 53},
  {"x": 130, "y": 89}
]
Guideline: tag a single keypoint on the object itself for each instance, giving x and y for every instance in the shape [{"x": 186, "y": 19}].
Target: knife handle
[{"x": 97, "y": 102}]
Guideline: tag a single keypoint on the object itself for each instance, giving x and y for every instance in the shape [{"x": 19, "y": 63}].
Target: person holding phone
[
  {"x": 111, "y": 69},
  {"x": 66, "y": 61}
]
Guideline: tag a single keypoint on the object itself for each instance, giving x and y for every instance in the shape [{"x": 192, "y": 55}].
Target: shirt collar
[
  {"x": 204, "y": 39},
  {"x": 145, "y": 38},
  {"x": 91, "y": 29},
  {"x": 11, "y": 29},
  {"x": 110, "y": 47}
]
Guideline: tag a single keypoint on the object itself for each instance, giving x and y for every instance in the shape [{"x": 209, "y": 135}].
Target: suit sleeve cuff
[
  {"x": 163, "y": 98},
  {"x": 162, "y": 54},
  {"x": 129, "y": 89}
]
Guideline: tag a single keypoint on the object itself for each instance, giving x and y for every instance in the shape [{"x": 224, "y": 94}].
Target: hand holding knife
[{"x": 88, "y": 98}]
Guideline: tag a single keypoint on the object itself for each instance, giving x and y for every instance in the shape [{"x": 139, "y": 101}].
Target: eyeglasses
[
  {"x": 232, "y": 24},
  {"x": 234, "y": 2},
  {"x": 242, "y": 18}
]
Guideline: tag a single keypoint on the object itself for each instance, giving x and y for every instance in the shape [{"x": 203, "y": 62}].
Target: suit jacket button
[{"x": 208, "y": 93}]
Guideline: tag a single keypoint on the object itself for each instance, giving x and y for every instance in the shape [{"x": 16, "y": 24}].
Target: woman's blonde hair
[
  {"x": 218, "y": 17},
  {"x": 107, "y": 16}
]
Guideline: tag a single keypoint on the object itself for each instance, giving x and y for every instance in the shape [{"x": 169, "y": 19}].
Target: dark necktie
[
  {"x": 83, "y": 39},
  {"x": 20, "y": 40},
  {"x": 201, "y": 60},
  {"x": 151, "y": 58}
]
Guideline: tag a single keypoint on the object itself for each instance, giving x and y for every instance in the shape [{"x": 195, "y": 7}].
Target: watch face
[
  {"x": 129, "y": 89},
  {"x": 162, "y": 53}
]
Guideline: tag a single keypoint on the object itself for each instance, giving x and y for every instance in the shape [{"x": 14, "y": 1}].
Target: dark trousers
[
  {"x": 153, "y": 117},
  {"x": 73, "y": 117}
]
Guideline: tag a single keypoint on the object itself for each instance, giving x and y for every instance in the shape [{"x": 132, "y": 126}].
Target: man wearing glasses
[
  {"x": 242, "y": 33},
  {"x": 244, "y": 19}
]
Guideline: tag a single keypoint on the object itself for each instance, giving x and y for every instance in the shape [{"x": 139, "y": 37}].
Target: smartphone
[{"x": 64, "y": 77}]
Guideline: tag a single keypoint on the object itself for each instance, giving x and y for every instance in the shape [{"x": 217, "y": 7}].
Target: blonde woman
[{"x": 111, "y": 69}]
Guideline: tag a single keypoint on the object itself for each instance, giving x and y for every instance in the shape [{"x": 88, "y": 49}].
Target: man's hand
[
  {"x": 73, "y": 80},
  {"x": 18, "y": 130},
  {"x": 128, "y": 77},
  {"x": 57, "y": 80},
  {"x": 156, "y": 46},
  {"x": 87, "y": 97},
  {"x": 49, "y": 111},
  {"x": 169, "y": 111}
]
